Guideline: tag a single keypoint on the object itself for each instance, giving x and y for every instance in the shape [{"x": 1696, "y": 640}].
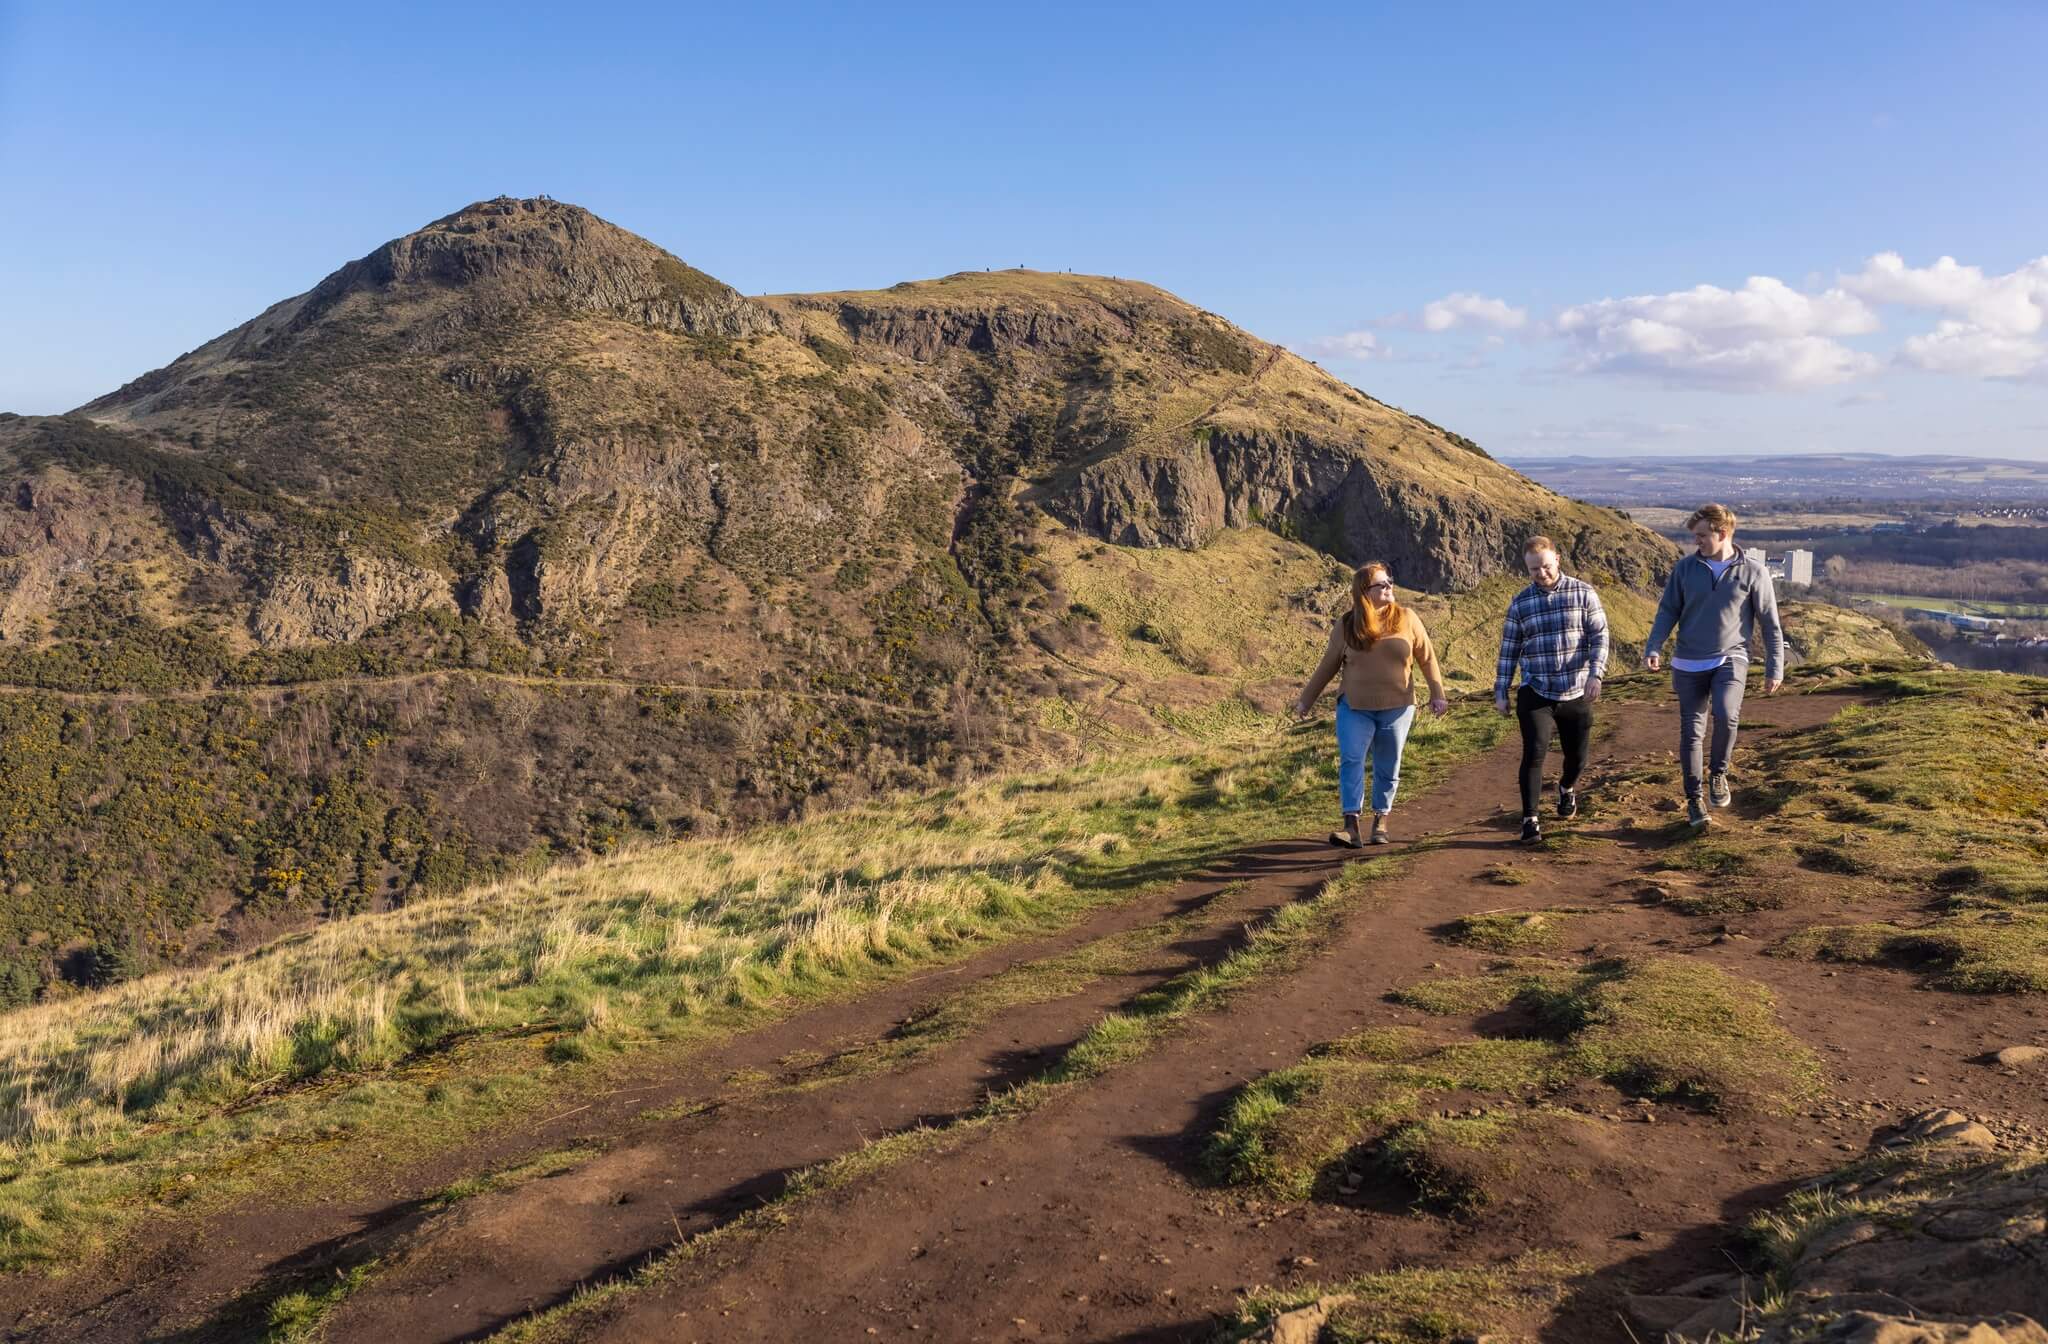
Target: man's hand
[
  {"x": 1439, "y": 706},
  {"x": 1500, "y": 703},
  {"x": 1771, "y": 685},
  {"x": 1592, "y": 690},
  {"x": 1653, "y": 661}
]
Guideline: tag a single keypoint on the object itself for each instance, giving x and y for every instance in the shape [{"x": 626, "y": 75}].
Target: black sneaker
[
  {"x": 1532, "y": 831},
  {"x": 1717, "y": 789},
  {"x": 1695, "y": 814},
  {"x": 1567, "y": 801}
]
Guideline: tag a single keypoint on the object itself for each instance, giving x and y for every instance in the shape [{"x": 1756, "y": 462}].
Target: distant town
[{"x": 1980, "y": 483}]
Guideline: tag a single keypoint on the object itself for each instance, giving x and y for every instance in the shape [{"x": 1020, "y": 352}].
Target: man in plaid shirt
[{"x": 1556, "y": 633}]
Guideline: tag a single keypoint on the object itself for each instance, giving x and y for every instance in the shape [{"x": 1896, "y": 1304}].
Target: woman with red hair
[{"x": 1377, "y": 643}]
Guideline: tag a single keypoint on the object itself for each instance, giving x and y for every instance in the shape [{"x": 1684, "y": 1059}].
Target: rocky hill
[{"x": 519, "y": 536}]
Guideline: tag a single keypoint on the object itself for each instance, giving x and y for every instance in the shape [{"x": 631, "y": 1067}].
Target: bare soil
[{"x": 1092, "y": 1217}]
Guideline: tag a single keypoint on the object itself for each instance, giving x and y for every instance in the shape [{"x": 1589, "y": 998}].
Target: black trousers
[{"x": 1541, "y": 717}]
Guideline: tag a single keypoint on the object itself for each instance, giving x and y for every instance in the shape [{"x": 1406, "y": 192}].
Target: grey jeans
[{"x": 1717, "y": 692}]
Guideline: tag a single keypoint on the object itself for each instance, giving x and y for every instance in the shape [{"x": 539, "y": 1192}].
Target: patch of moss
[
  {"x": 1662, "y": 1027},
  {"x": 1975, "y": 951},
  {"x": 1670, "y": 1027},
  {"x": 1508, "y": 931}
]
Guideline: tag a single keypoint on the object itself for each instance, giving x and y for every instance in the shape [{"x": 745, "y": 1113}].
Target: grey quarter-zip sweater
[{"x": 1714, "y": 617}]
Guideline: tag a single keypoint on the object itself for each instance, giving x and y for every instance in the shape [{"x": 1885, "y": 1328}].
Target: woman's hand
[
  {"x": 1301, "y": 707},
  {"x": 1439, "y": 706}
]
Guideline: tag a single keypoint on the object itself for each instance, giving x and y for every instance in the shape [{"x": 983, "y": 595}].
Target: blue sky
[{"x": 1496, "y": 215}]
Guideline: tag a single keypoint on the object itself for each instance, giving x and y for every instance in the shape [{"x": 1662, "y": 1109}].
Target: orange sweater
[{"x": 1378, "y": 677}]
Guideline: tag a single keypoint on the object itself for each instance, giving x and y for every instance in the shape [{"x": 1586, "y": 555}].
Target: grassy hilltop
[{"x": 518, "y": 538}]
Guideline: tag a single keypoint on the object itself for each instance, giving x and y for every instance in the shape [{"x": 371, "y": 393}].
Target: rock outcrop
[
  {"x": 360, "y": 593},
  {"x": 923, "y": 333},
  {"x": 1345, "y": 495},
  {"x": 1934, "y": 1240}
]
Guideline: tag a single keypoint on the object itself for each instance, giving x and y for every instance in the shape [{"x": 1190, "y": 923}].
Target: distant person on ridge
[
  {"x": 1712, "y": 598},
  {"x": 1556, "y": 633},
  {"x": 1375, "y": 641}
]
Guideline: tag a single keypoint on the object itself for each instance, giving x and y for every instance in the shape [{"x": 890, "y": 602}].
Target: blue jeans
[
  {"x": 1380, "y": 734},
  {"x": 1716, "y": 694}
]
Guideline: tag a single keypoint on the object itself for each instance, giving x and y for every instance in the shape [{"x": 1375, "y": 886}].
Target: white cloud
[
  {"x": 1764, "y": 336},
  {"x": 1358, "y": 345},
  {"x": 1972, "y": 351},
  {"x": 1763, "y": 307},
  {"x": 1463, "y": 309},
  {"x": 2013, "y": 304}
]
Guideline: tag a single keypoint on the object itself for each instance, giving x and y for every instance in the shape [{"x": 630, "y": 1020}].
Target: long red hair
[{"x": 1365, "y": 623}]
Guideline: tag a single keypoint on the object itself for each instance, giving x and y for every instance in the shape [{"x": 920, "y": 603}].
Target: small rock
[
  {"x": 2018, "y": 1056},
  {"x": 1301, "y": 1326},
  {"x": 1923, "y": 1080}
]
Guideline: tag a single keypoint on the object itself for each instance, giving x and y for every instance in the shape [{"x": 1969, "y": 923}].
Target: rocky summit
[{"x": 521, "y": 412}]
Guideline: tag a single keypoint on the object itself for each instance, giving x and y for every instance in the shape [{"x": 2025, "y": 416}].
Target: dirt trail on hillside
[
  {"x": 276, "y": 689},
  {"x": 1091, "y": 1218}
]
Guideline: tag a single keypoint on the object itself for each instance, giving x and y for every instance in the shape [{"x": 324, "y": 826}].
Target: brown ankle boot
[
  {"x": 1379, "y": 829},
  {"x": 1348, "y": 837}
]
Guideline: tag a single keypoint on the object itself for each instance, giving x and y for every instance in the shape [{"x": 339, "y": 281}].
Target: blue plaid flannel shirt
[{"x": 1558, "y": 637}]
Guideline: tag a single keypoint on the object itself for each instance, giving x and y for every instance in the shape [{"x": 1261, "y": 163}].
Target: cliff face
[{"x": 1335, "y": 492}]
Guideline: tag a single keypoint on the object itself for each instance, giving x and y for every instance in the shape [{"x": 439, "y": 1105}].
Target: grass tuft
[
  {"x": 1664, "y": 1027},
  {"x": 1508, "y": 931},
  {"x": 1417, "y": 1305}
]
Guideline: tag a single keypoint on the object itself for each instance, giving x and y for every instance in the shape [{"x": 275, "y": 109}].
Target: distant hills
[{"x": 1790, "y": 478}]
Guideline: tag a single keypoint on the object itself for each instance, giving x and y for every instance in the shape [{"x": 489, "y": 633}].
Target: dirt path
[{"x": 1090, "y": 1218}]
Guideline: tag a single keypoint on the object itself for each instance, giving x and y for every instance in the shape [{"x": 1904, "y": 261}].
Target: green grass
[
  {"x": 299, "y": 1317},
  {"x": 1972, "y": 951},
  {"x": 1420, "y": 1305},
  {"x": 532, "y": 1169},
  {"x": 1938, "y": 794},
  {"x": 1509, "y": 931},
  {"x": 1968, "y": 606},
  {"x": 455, "y": 1016},
  {"x": 1658, "y": 1027},
  {"x": 1293, "y": 934},
  {"x": 1682, "y": 1030},
  {"x": 1471, "y": 995}
]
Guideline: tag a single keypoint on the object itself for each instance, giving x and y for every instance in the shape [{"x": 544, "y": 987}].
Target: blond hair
[
  {"x": 1717, "y": 516},
  {"x": 1540, "y": 543}
]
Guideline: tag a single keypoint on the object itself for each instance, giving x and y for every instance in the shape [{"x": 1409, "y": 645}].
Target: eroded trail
[{"x": 1092, "y": 1215}]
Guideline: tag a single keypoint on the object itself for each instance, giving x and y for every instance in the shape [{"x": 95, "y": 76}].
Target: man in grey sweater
[{"x": 1712, "y": 599}]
